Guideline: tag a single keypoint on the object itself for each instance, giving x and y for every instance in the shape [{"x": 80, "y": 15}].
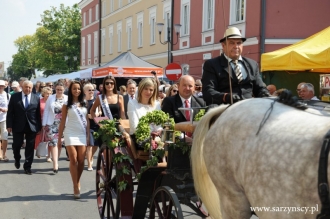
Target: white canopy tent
[{"x": 52, "y": 78}]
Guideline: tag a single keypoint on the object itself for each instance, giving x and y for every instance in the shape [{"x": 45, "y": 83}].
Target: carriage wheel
[
  {"x": 165, "y": 204},
  {"x": 106, "y": 185}
]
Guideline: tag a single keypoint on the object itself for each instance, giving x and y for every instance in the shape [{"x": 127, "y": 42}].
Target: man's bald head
[{"x": 271, "y": 88}]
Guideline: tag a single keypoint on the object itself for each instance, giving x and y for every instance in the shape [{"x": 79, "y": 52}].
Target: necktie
[
  {"x": 187, "y": 112},
  {"x": 26, "y": 101},
  {"x": 132, "y": 97},
  {"x": 238, "y": 71}
]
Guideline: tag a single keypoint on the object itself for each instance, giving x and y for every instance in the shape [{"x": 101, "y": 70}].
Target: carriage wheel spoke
[{"x": 169, "y": 209}]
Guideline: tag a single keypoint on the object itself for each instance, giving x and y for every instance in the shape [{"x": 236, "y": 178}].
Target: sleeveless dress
[
  {"x": 74, "y": 133},
  {"x": 114, "y": 109}
]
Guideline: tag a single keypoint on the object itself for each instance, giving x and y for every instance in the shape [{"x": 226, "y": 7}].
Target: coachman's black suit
[
  {"x": 24, "y": 122},
  {"x": 171, "y": 104},
  {"x": 215, "y": 81}
]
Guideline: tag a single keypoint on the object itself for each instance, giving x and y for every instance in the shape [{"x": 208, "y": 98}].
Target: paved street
[{"x": 48, "y": 196}]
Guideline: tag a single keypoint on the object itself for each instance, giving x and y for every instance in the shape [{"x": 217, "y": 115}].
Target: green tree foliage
[{"x": 58, "y": 35}]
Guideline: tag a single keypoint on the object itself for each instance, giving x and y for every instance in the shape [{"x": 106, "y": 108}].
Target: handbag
[{"x": 42, "y": 150}]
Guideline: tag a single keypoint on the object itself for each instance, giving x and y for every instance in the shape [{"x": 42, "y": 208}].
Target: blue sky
[{"x": 20, "y": 18}]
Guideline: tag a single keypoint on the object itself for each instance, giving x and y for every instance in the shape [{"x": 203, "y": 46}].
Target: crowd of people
[{"x": 64, "y": 112}]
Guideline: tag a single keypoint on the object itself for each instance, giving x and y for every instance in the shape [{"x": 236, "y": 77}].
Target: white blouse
[{"x": 136, "y": 110}]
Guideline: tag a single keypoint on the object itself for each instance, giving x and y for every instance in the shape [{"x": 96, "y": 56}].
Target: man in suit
[
  {"x": 244, "y": 75},
  {"x": 23, "y": 118},
  {"x": 131, "y": 89},
  {"x": 184, "y": 98}
]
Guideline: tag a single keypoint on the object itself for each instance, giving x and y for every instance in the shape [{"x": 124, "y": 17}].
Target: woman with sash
[
  {"x": 76, "y": 132},
  {"x": 112, "y": 104}
]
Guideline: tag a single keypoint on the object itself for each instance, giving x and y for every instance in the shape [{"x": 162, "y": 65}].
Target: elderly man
[
  {"x": 184, "y": 98},
  {"x": 307, "y": 92},
  {"x": 299, "y": 88},
  {"x": 244, "y": 75},
  {"x": 24, "y": 119},
  {"x": 131, "y": 89}
]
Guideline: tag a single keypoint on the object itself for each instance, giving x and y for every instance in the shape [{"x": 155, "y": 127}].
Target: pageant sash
[
  {"x": 82, "y": 118},
  {"x": 105, "y": 107}
]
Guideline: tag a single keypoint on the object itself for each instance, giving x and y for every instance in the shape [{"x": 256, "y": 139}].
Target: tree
[{"x": 59, "y": 36}]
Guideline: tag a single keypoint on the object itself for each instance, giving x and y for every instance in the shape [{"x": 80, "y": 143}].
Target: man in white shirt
[
  {"x": 307, "y": 92},
  {"x": 131, "y": 90},
  {"x": 4, "y": 100}
]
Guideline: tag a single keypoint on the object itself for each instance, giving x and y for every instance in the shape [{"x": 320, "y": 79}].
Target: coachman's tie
[
  {"x": 238, "y": 71},
  {"x": 26, "y": 102},
  {"x": 187, "y": 114}
]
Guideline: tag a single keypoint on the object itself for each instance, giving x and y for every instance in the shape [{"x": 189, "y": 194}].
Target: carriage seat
[{"x": 136, "y": 154}]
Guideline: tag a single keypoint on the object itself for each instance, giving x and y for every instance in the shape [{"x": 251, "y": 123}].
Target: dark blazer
[
  {"x": 126, "y": 99},
  {"x": 215, "y": 80},
  {"x": 171, "y": 104},
  {"x": 18, "y": 116}
]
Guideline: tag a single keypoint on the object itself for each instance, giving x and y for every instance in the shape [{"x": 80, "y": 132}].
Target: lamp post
[
  {"x": 169, "y": 41},
  {"x": 66, "y": 58}
]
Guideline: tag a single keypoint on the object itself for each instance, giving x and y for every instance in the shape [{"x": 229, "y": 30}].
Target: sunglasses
[
  {"x": 174, "y": 91},
  {"x": 107, "y": 83},
  {"x": 90, "y": 90}
]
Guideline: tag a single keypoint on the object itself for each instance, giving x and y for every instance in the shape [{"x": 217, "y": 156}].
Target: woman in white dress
[{"x": 76, "y": 133}]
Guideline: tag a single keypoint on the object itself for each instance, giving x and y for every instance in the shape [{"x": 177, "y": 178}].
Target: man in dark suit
[
  {"x": 244, "y": 75},
  {"x": 184, "y": 98},
  {"x": 131, "y": 89},
  {"x": 23, "y": 118}
]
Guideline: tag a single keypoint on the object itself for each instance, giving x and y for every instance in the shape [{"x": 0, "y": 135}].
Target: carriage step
[{"x": 185, "y": 186}]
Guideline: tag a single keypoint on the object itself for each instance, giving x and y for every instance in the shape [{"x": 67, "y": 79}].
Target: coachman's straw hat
[{"x": 233, "y": 33}]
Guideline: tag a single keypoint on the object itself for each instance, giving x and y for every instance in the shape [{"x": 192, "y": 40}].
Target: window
[
  {"x": 103, "y": 42},
  {"x": 90, "y": 16},
  {"x": 84, "y": 19},
  {"x": 97, "y": 12},
  {"x": 129, "y": 32},
  {"x": 237, "y": 11},
  {"x": 152, "y": 23},
  {"x": 96, "y": 48},
  {"x": 140, "y": 29},
  {"x": 112, "y": 7},
  {"x": 185, "y": 17},
  {"x": 89, "y": 49},
  {"x": 208, "y": 15},
  {"x": 83, "y": 46},
  {"x": 120, "y": 3},
  {"x": 103, "y": 8},
  {"x": 111, "y": 39},
  {"x": 119, "y": 35}
]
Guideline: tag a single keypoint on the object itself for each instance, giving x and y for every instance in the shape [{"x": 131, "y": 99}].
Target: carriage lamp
[{"x": 168, "y": 135}]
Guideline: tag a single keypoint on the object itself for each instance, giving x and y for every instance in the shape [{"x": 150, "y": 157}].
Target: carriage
[{"x": 159, "y": 190}]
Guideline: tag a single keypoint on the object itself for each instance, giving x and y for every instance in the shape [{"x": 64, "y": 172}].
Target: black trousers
[{"x": 18, "y": 138}]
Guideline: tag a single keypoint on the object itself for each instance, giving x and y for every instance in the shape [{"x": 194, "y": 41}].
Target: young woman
[
  {"x": 51, "y": 120},
  {"x": 144, "y": 103},
  {"x": 93, "y": 143},
  {"x": 76, "y": 133},
  {"x": 112, "y": 104}
]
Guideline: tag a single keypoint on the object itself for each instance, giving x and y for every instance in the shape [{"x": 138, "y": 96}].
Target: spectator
[
  {"x": 51, "y": 121},
  {"x": 45, "y": 93},
  {"x": 100, "y": 89},
  {"x": 307, "y": 92},
  {"x": 173, "y": 90},
  {"x": 24, "y": 120},
  {"x": 198, "y": 89},
  {"x": 51, "y": 85},
  {"x": 299, "y": 88},
  {"x": 161, "y": 93},
  {"x": 37, "y": 88},
  {"x": 131, "y": 90},
  {"x": 271, "y": 89},
  {"x": 76, "y": 132},
  {"x": 4, "y": 100},
  {"x": 245, "y": 78},
  {"x": 122, "y": 90},
  {"x": 15, "y": 87},
  {"x": 112, "y": 104},
  {"x": 93, "y": 143},
  {"x": 21, "y": 80},
  {"x": 7, "y": 88}
]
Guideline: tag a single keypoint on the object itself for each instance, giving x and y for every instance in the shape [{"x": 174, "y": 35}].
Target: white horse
[{"x": 275, "y": 172}]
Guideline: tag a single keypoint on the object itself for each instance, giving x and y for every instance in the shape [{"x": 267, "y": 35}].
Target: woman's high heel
[
  {"x": 76, "y": 196},
  {"x": 55, "y": 171}
]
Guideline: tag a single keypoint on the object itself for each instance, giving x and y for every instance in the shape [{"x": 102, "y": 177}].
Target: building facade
[{"x": 267, "y": 25}]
